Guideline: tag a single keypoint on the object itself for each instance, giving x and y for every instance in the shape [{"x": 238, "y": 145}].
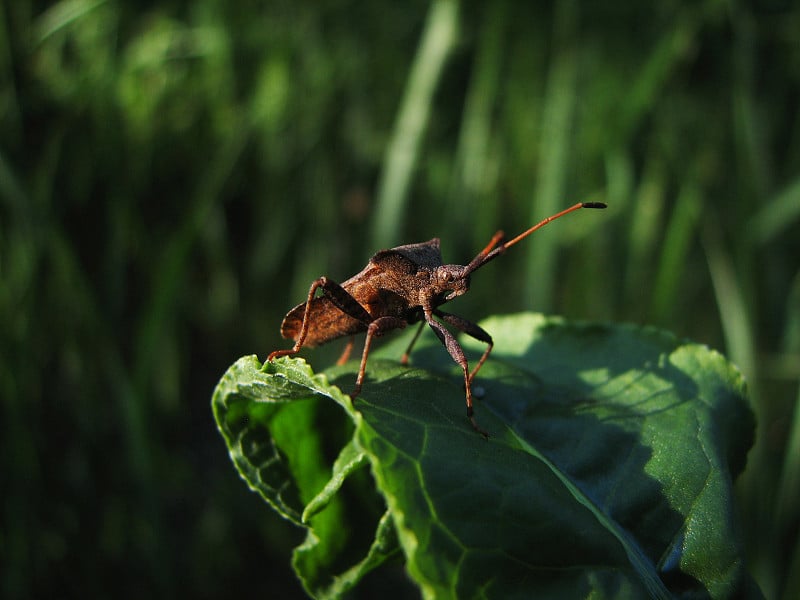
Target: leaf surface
[{"x": 608, "y": 472}]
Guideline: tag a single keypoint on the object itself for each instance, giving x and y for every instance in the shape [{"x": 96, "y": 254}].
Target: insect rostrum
[{"x": 398, "y": 287}]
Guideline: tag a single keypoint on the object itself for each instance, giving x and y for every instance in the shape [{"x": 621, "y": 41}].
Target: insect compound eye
[{"x": 449, "y": 275}]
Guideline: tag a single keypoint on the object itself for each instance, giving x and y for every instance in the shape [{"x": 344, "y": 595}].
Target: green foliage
[
  {"x": 174, "y": 174},
  {"x": 608, "y": 472}
]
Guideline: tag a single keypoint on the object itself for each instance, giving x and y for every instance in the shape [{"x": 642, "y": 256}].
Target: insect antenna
[{"x": 493, "y": 250}]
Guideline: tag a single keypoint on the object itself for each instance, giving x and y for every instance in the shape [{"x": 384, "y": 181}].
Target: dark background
[{"x": 173, "y": 175}]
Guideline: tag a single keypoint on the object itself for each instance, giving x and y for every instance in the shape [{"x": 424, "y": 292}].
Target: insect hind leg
[{"x": 339, "y": 297}]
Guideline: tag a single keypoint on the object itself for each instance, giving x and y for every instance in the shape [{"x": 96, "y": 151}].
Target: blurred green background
[{"x": 173, "y": 175}]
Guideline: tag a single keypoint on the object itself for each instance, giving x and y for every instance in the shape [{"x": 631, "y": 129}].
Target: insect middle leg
[{"x": 377, "y": 328}]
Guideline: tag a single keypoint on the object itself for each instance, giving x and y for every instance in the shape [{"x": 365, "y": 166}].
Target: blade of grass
[
  {"x": 670, "y": 50},
  {"x": 735, "y": 320},
  {"x": 779, "y": 213},
  {"x": 733, "y": 312},
  {"x": 645, "y": 222},
  {"x": 750, "y": 150},
  {"x": 137, "y": 444},
  {"x": 791, "y": 587},
  {"x": 674, "y": 250},
  {"x": 61, "y": 15},
  {"x": 168, "y": 274},
  {"x": 788, "y": 495},
  {"x": 10, "y": 95},
  {"x": 12, "y": 194},
  {"x": 619, "y": 178},
  {"x": 403, "y": 150},
  {"x": 475, "y": 173},
  {"x": 554, "y": 144}
]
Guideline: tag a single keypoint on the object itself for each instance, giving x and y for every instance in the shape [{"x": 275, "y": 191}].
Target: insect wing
[{"x": 329, "y": 322}]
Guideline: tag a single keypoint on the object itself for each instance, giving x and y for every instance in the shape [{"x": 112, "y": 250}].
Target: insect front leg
[
  {"x": 457, "y": 353},
  {"x": 472, "y": 330},
  {"x": 339, "y": 297}
]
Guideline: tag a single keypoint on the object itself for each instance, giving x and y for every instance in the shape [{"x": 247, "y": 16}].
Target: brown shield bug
[{"x": 399, "y": 286}]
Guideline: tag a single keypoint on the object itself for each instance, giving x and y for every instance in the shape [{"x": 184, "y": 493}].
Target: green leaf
[
  {"x": 269, "y": 416},
  {"x": 608, "y": 472}
]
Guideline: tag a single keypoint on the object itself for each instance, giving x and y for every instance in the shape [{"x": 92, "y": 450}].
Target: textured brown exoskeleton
[{"x": 400, "y": 286}]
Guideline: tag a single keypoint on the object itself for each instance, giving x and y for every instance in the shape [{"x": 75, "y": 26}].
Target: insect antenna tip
[{"x": 593, "y": 205}]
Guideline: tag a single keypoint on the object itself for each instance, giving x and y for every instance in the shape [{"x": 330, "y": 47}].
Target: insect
[{"x": 398, "y": 287}]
